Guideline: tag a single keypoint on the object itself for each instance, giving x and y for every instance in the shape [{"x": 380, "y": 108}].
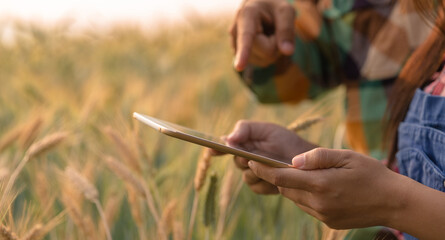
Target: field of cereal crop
[{"x": 75, "y": 165}]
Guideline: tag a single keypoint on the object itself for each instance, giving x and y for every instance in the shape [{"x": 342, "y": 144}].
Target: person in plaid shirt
[{"x": 287, "y": 52}]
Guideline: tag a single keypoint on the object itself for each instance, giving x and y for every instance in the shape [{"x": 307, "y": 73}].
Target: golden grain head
[
  {"x": 210, "y": 202},
  {"x": 168, "y": 214},
  {"x": 6, "y": 233},
  {"x": 202, "y": 168},
  {"x": 124, "y": 149},
  {"x": 125, "y": 174},
  {"x": 9, "y": 138},
  {"x": 305, "y": 124},
  {"x": 82, "y": 184},
  {"x": 35, "y": 233},
  {"x": 46, "y": 144},
  {"x": 31, "y": 132}
]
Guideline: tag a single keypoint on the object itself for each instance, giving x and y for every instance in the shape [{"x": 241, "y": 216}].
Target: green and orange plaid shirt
[{"x": 362, "y": 44}]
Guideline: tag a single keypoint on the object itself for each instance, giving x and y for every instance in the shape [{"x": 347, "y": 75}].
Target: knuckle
[
  {"x": 278, "y": 180},
  {"x": 348, "y": 153},
  {"x": 248, "y": 10},
  {"x": 320, "y": 185},
  {"x": 283, "y": 191},
  {"x": 241, "y": 123},
  {"x": 250, "y": 178},
  {"x": 247, "y": 34},
  {"x": 319, "y": 153},
  {"x": 285, "y": 8}
]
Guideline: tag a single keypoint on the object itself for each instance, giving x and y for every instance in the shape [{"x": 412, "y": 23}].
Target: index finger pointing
[{"x": 245, "y": 33}]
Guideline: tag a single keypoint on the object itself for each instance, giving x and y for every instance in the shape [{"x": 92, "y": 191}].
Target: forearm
[{"x": 422, "y": 210}]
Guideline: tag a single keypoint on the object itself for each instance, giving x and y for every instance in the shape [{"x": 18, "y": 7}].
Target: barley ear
[
  {"x": 35, "y": 149},
  {"x": 6, "y": 233},
  {"x": 9, "y": 138},
  {"x": 82, "y": 184},
  {"x": 168, "y": 215},
  {"x": 126, "y": 175},
  {"x": 210, "y": 202},
  {"x": 90, "y": 192},
  {"x": 298, "y": 126},
  {"x": 124, "y": 149},
  {"x": 202, "y": 168},
  {"x": 31, "y": 132},
  {"x": 36, "y": 233},
  {"x": 46, "y": 144}
]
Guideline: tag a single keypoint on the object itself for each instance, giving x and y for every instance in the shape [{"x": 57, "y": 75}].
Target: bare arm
[
  {"x": 423, "y": 211},
  {"x": 345, "y": 189}
]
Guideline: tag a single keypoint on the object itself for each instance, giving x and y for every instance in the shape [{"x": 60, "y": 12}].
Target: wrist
[{"x": 398, "y": 200}]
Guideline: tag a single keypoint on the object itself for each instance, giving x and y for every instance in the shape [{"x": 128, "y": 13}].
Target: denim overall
[{"x": 421, "y": 154}]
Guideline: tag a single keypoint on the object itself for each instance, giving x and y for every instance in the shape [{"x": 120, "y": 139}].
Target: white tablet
[{"x": 196, "y": 137}]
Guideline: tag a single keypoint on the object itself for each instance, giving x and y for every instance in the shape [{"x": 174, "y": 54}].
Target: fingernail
[
  {"x": 298, "y": 161},
  {"x": 236, "y": 63},
  {"x": 250, "y": 163},
  {"x": 287, "y": 47},
  {"x": 232, "y": 136}
]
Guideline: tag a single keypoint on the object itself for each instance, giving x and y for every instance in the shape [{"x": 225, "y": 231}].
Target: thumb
[{"x": 320, "y": 158}]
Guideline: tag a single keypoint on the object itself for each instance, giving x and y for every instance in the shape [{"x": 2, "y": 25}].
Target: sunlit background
[
  {"x": 87, "y": 12},
  {"x": 74, "y": 71}
]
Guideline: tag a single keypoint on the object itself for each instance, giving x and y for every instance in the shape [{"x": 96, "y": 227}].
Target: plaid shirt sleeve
[
  {"x": 361, "y": 44},
  {"x": 337, "y": 41}
]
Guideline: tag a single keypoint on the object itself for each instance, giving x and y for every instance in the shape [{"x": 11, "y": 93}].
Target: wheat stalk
[
  {"x": 135, "y": 208},
  {"x": 178, "y": 231},
  {"x": 298, "y": 126},
  {"x": 9, "y": 138},
  {"x": 76, "y": 215},
  {"x": 35, "y": 149},
  {"x": 168, "y": 215},
  {"x": 39, "y": 231},
  {"x": 204, "y": 163},
  {"x": 126, "y": 175},
  {"x": 6, "y": 233},
  {"x": 46, "y": 144},
  {"x": 193, "y": 216},
  {"x": 82, "y": 184},
  {"x": 4, "y": 172},
  {"x": 124, "y": 150},
  {"x": 35, "y": 233},
  {"x": 90, "y": 192},
  {"x": 225, "y": 196},
  {"x": 31, "y": 131},
  {"x": 112, "y": 207}
]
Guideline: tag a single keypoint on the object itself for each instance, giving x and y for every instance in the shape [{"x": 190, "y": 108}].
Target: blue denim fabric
[{"x": 421, "y": 153}]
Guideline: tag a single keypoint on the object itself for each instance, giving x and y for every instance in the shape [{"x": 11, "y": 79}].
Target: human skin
[
  {"x": 265, "y": 138},
  {"x": 342, "y": 188},
  {"x": 251, "y": 39}
]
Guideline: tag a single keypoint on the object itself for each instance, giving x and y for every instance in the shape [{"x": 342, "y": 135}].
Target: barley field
[{"x": 75, "y": 165}]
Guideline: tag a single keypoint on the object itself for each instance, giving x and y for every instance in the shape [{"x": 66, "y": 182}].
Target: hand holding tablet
[{"x": 215, "y": 143}]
